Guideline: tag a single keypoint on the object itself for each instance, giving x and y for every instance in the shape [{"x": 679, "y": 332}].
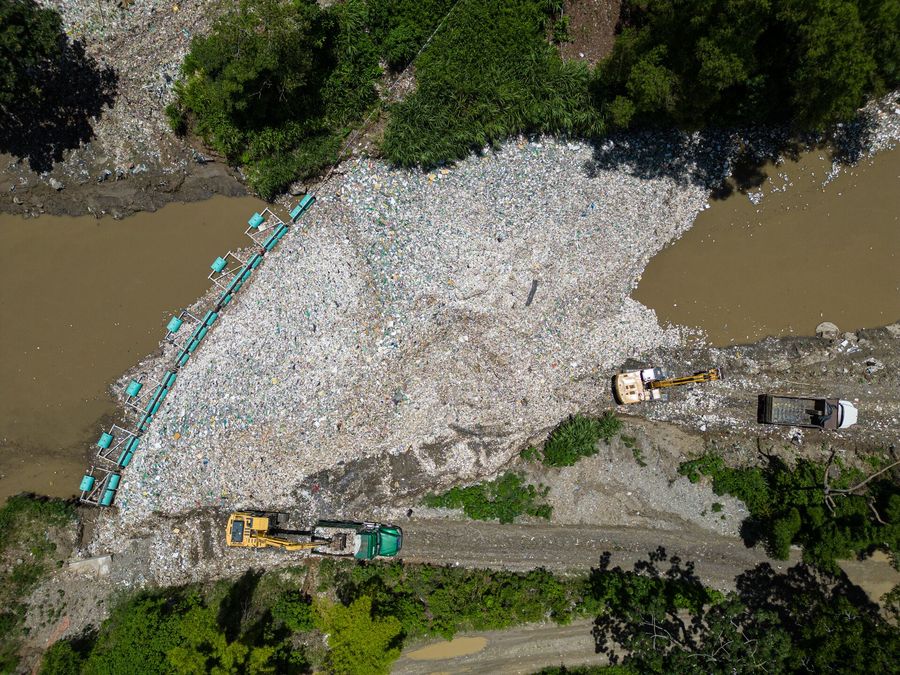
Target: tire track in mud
[{"x": 717, "y": 559}]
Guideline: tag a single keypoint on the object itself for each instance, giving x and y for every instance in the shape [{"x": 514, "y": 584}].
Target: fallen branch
[{"x": 829, "y": 491}]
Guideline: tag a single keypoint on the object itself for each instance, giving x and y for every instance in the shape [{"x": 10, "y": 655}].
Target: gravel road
[
  {"x": 572, "y": 548},
  {"x": 515, "y": 651}
]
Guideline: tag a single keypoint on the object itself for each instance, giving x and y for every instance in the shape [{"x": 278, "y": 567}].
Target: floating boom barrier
[{"x": 144, "y": 397}]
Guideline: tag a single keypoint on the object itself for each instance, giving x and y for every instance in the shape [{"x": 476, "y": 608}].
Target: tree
[
  {"x": 275, "y": 83},
  {"x": 295, "y": 611},
  {"x": 832, "y": 67},
  {"x": 830, "y": 516},
  {"x": 358, "y": 643},
  {"x": 61, "y": 659},
  {"x": 30, "y": 36},
  {"x": 136, "y": 638},
  {"x": 832, "y": 624},
  {"x": 700, "y": 62},
  {"x": 253, "y": 71},
  {"x": 655, "y": 621},
  {"x": 881, "y": 19},
  {"x": 204, "y": 648}
]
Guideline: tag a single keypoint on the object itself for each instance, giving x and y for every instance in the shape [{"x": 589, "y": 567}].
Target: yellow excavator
[
  {"x": 363, "y": 541},
  {"x": 254, "y": 530},
  {"x": 647, "y": 384}
]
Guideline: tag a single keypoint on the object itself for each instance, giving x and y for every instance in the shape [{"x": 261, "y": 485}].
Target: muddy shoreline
[{"x": 119, "y": 194}]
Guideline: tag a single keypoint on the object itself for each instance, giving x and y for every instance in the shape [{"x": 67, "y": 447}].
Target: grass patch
[
  {"x": 504, "y": 499},
  {"x": 630, "y": 442},
  {"x": 490, "y": 72},
  {"x": 577, "y": 437}
]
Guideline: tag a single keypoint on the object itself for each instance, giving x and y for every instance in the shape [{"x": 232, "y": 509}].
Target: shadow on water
[
  {"x": 723, "y": 160},
  {"x": 74, "y": 90}
]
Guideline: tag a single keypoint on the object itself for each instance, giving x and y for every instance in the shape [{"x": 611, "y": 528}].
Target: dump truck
[
  {"x": 648, "y": 384},
  {"x": 799, "y": 411},
  {"x": 363, "y": 541}
]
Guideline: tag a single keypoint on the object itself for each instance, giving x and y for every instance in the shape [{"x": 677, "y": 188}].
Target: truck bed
[
  {"x": 798, "y": 412},
  {"x": 343, "y": 540}
]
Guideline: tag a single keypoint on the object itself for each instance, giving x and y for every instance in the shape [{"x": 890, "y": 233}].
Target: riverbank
[
  {"x": 132, "y": 161},
  {"x": 803, "y": 247},
  {"x": 85, "y": 299},
  {"x": 397, "y": 342},
  {"x": 442, "y": 321}
]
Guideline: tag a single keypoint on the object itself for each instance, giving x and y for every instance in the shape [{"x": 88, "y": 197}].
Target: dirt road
[
  {"x": 863, "y": 367},
  {"x": 524, "y": 649},
  {"x": 572, "y": 548}
]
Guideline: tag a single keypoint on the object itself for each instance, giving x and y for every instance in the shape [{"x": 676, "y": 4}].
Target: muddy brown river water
[
  {"x": 803, "y": 255},
  {"x": 81, "y": 301}
]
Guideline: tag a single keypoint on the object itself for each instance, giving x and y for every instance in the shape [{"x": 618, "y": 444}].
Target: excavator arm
[
  {"x": 286, "y": 544},
  {"x": 703, "y": 376}
]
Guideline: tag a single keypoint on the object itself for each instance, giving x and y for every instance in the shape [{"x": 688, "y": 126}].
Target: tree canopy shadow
[
  {"x": 802, "y": 619},
  {"x": 724, "y": 161},
  {"x": 648, "y": 585},
  {"x": 234, "y": 605},
  {"x": 762, "y": 589},
  {"x": 74, "y": 89}
]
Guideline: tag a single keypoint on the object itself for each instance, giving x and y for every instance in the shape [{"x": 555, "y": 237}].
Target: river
[
  {"x": 81, "y": 301},
  {"x": 804, "y": 254}
]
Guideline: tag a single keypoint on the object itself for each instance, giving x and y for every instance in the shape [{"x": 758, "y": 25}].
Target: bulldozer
[
  {"x": 363, "y": 541},
  {"x": 649, "y": 384}
]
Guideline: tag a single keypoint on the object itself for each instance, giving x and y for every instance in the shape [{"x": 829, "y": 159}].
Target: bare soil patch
[{"x": 592, "y": 27}]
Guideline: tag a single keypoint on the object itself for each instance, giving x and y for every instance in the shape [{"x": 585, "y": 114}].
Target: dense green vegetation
[
  {"x": 649, "y": 620},
  {"x": 576, "y": 437},
  {"x": 799, "y": 621},
  {"x": 787, "y": 506},
  {"x": 267, "y": 625},
  {"x": 503, "y": 499},
  {"x": 27, "y": 552},
  {"x": 489, "y": 72},
  {"x": 179, "y": 631},
  {"x": 429, "y": 600},
  {"x": 359, "y": 642},
  {"x": 30, "y": 36},
  {"x": 278, "y": 84},
  {"x": 694, "y": 63}
]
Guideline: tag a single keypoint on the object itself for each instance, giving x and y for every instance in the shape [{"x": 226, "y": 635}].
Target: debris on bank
[{"x": 398, "y": 325}]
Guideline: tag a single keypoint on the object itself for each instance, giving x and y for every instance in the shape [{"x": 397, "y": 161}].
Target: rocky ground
[{"x": 862, "y": 367}]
